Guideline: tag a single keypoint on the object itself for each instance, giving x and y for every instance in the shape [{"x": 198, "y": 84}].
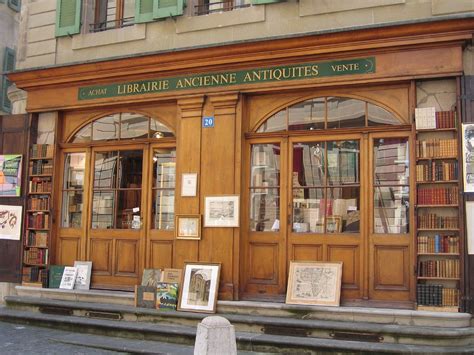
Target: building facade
[{"x": 305, "y": 111}]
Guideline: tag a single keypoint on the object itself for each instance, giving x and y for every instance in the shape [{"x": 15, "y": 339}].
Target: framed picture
[
  {"x": 10, "y": 222},
  {"x": 10, "y": 175},
  {"x": 166, "y": 296},
  {"x": 145, "y": 296},
  {"x": 221, "y": 211},
  {"x": 315, "y": 283},
  {"x": 188, "y": 227},
  {"x": 151, "y": 277},
  {"x": 189, "y": 185},
  {"x": 83, "y": 278},
  {"x": 198, "y": 292},
  {"x": 69, "y": 278},
  {"x": 468, "y": 156},
  {"x": 333, "y": 224}
]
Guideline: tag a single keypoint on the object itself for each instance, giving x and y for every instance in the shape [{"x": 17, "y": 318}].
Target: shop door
[{"x": 116, "y": 236}]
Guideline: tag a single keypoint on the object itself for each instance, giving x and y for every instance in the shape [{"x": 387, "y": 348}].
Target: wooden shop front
[{"x": 303, "y": 130}]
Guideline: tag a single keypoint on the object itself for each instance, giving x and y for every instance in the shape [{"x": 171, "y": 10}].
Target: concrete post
[{"x": 215, "y": 336}]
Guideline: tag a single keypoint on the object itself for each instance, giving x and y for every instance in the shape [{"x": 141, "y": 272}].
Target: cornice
[{"x": 249, "y": 54}]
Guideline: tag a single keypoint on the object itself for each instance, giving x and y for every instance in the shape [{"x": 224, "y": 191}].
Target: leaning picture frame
[
  {"x": 198, "y": 292},
  {"x": 221, "y": 211},
  {"x": 83, "y": 277},
  {"x": 188, "y": 227},
  {"x": 314, "y": 283}
]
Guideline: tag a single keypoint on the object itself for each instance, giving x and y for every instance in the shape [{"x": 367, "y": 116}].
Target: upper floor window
[
  {"x": 205, "y": 7},
  {"x": 111, "y": 14}
]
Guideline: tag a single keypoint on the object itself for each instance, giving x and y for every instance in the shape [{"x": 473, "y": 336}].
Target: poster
[
  {"x": 470, "y": 226},
  {"x": 10, "y": 222},
  {"x": 468, "y": 156},
  {"x": 10, "y": 175}
]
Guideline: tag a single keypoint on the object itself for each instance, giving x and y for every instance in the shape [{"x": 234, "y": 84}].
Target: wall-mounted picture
[
  {"x": 10, "y": 175},
  {"x": 188, "y": 227},
  {"x": 468, "y": 156},
  {"x": 83, "y": 278},
  {"x": 200, "y": 286},
  {"x": 221, "y": 211},
  {"x": 189, "y": 185},
  {"x": 10, "y": 222},
  {"x": 315, "y": 283}
]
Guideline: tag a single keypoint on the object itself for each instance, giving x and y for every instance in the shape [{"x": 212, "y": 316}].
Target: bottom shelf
[
  {"x": 453, "y": 309},
  {"x": 32, "y": 284}
]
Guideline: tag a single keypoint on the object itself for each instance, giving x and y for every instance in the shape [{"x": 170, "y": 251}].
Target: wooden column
[{"x": 188, "y": 150}]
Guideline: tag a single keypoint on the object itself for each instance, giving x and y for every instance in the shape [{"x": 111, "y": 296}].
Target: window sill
[
  {"x": 242, "y": 16},
  {"x": 115, "y": 36}
]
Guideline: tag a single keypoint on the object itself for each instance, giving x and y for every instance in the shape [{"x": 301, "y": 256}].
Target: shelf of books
[
  {"x": 38, "y": 215},
  {"x": 438, "y": 221}
]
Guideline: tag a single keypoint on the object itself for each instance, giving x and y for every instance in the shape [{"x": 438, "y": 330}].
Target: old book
[
  {"x": 55, "y": 275},
  {"x": 69, "y": 278},
  {"x": 145, "y": 296},
  {"x": 166, "y": 296},
  {"x": 172, "y": 275}
]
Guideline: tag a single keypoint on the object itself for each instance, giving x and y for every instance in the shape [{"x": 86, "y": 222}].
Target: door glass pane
[
  {"x": 164, "y": 182},
  {"x": 130, "y": 170},
  {"x": 103, "y": 206},
  {"x": 308, "y": 115},
  {"x": 308, "y": 210},
  {"x": 133, "y": 126},
  {"x": 308, "y": 164},
  {"x": 106, "y": 128},
  {"x": 265, "y": 191},
  {"x": 391, "y": 185},
  {"x": 343, "y": 162},
  {"x": 128, "y": 209},
  {"x": 74, "y": 168},
  {"x": 72, "y": 192},
  {"x": 72, "y": 209},
  {"x": 164, "y": 168},
  {"x": 163, "y": 209},
  {"x": 344, "y": 112},
  {"x": 343, "y": 210},
  {"x": 105, "y": 169}
]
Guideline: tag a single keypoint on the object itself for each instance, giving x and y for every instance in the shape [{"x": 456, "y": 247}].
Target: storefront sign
[{"x": 231, "y": 78}]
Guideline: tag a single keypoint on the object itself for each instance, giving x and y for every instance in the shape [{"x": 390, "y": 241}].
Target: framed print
[
  {"x": 10, "y": 222},
  {"x": 198, "y": 292},
  {"x": 69, "y": 278},
  {"x": 333, "y": 224},
  {"x": 188, "y": 227},
  {"x": 83, "y": 278},
  {"x": 145, "y": 296},
  {"x": 468, "y": 156},
  {"x": 189, "y": 185},
  {"x": 315, "y": 283},
  {"x": 221, "y": 211},
  {"x": 10, "y": 175}
]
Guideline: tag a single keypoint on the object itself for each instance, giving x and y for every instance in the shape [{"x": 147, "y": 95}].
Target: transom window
[
  {"x": 327, "y": 113},
  {"x": 121, "y": 126}
]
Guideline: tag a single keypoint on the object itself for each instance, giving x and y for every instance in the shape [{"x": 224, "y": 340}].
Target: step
[
  {"x": 349, "y": 314},
  {"x": 186, "y": 334},
  {"x": 256, "y": 324}
]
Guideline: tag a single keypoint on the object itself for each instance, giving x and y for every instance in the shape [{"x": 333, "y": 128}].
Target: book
[
  {"x": 145, "y": 296},
  {"x": 166, "y": 296},
  {"x": 55, "y": 275},
  {"x": 172, "y": 276}
]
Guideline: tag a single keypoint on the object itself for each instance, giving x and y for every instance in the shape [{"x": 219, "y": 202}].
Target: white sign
[
  {"x": 10, "y": 222},
  {"x": 470, "y": 226},
  {"x": 189, "y": 185},
  {"x": 468, "y": 156},
  {"x": 69, "y": 278}
]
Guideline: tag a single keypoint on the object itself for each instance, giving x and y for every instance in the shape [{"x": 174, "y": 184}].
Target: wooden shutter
[
  {"x": 14, "y": 136},
  {"x": 143, "y": 11},
  {"x": 68, "y": 17},
  {"x": 8, "y": 65},
  {"x": 15, "y": 5},
  {"x": 261, "y": 2},
  {"x": 167, "y": 8}
]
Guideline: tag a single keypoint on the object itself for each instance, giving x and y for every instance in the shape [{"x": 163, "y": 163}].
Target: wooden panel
[
  {"x": 126, "y": 257},
  {"x": 101, "y": 256},
  {"x": 307, "y": 252},
  {"x": 264, "y": 263},
  {"x": 161, "y": 254},
  {"x": 391, "y": 264},
  {"x": 349, "y": 255},
  {"x": 68, "y": 251}
]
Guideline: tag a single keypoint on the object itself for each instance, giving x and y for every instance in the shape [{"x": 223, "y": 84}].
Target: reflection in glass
[
  {"x": 164, "y": 168},
  {"x": 265, "y": 210},
  {"x": 163, "y": 209},
  {"x": 74, "y": 168},
  {"x": 105, "y": 169},
  {"x": 130, "y": 170},
  {"x": 379, "y": 116},
  {"x": 276, "y": 123},
  {"x": 343, "y": 162},
  {"x": 72, "y": 209},
  {"x": 391, "y": 161},
  {"x": 103, "y": 205},
  {"x": 308, "y": 210},
  {"x": 106, "y": 128},
  {"x": 164, "y": 182},
  {"x": 159, "y": 130},
  {"x": 391, "y": 208},
  {"x": 342, "y": 210},
  {"x": 84, "y": 135},
  {"x": 128, "y": 209},
  {"x": 345, "y": 112},
  {"x": 133, "y": 126},
  {"x": 308, "y": 115},
  {"x": 309, "y": 164}
]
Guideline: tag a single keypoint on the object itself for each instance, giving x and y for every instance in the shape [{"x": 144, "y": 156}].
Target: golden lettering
[
  {"x": 207, "y": 80},
  {"x": 233, "y": 78},
  {"x": 166, "y": 84},
  {"x": 315, "y": 70},
  {"x": 179, "y": 84}
]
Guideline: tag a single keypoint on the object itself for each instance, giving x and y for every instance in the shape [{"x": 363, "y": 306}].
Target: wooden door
[
  {"x": 264, "y": 243},
  {"x": 116, "y": 233}
]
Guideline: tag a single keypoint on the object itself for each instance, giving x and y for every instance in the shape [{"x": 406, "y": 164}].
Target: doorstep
[{"x": 271, "y": 309}]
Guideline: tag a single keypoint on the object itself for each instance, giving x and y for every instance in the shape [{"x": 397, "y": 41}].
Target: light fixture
[{"x": 158, "y": 135}]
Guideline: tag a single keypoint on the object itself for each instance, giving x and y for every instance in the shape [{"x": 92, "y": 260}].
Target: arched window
[
  {"x": 120, "y": 126},
  {"x": 327, "y": 113}
]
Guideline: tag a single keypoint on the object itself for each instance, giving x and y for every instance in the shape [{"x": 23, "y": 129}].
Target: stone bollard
[{"x": 215, "y": 336}]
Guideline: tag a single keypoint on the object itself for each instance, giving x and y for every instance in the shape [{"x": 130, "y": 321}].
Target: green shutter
[
  {"x": 143, "y": 11},
  {"x": 167, "y": 8},
  {"x": 261, "y": 2},
  {"x": 15, "y": 5},
  {"x": 68, "y": 17},
  {"x": 8, "y": 65}
]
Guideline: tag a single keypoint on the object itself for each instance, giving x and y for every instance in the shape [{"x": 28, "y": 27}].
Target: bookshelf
[
  {"x": 439, "y": 263},
  {"x": 37, "y": 240}
]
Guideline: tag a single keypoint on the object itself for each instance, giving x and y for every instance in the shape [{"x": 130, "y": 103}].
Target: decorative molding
[
  {"x": 224, "y": 104},
  {"x": 191, "y": 106}
]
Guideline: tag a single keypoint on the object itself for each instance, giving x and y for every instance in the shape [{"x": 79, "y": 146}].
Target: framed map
[{"x": 315, "y": 283}]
